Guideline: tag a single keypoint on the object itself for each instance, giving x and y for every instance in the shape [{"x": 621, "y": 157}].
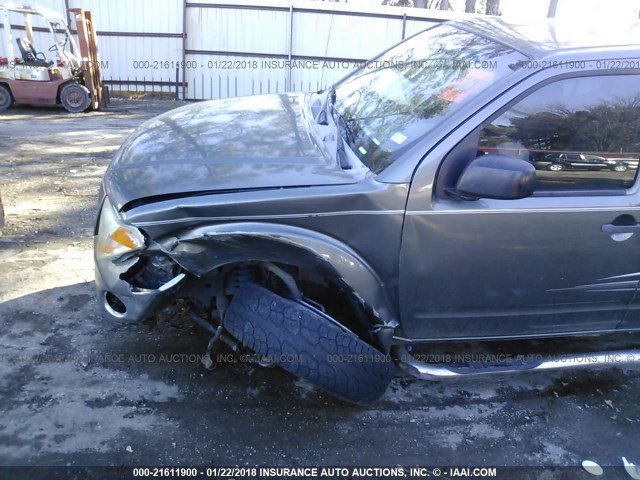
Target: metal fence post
[
  {"x": 404, "y": 25},
  {"x": 290, "y": 53},
  {"x": 184, "y": 50},
  {"x": 177, "y": 82}
]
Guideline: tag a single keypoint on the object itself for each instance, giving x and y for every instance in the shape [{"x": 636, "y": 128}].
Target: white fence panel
[
  {"x": 223, "y": 76},
  {"x": 415, "y": 26},
  {"x": 333, "y": 35},
  {"x": 137, "y": 16},
  {"x": 133, "y": 61},
  {"x": 237, "y": 47},
  {"x": 139, "y": 42},
  {"x": 248, "y": 47},
  {"x": 237, "y": 30}
]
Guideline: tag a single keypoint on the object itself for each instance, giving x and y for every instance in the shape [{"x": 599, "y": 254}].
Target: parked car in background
[
  {"x": 579, "y": 161},
  {"x": 328, "y": 232}
]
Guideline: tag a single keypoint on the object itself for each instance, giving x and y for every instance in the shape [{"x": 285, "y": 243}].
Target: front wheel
[
  {"x": 309, "y": 344},
  {"x": 75, "y": 98},
  {"x": 555, "y": 167},
  {"x": 620, "y": 168},
  {"x": 6, "y": 100}
]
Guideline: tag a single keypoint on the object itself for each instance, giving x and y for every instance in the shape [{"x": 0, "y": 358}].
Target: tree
[
  {"x": 398, "y": 3},
  {"x": 553, "y": 6},
  {"x": 470, "y": 6},
  {"x": 493, "y": 7},
  {"x": 437, "y": 4}
]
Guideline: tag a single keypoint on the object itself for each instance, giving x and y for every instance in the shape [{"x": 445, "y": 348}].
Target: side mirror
[{"x": 496, "y": 176}]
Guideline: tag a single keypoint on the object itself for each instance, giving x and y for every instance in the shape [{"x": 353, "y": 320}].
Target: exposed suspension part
[
  {"x": 217, "y": 334},
  {"x": 231, "y": 279},
  {"x": 237, "y": 277},
  {"x": 286, "y": 278}
]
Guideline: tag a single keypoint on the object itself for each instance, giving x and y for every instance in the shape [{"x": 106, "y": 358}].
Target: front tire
[
  {"x": 75, "y": 98},
  {"x": 6, "y": 99},
  {"x": 620, "y": 168},
  {"x": 555, "y": 167},
  {"x": 307, "y": 343}
]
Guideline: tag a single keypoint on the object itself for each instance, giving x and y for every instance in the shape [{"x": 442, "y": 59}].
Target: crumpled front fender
[{"x": 203, "y": 249}]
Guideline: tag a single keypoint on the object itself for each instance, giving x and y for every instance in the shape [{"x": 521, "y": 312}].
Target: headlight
[{"x": 115, "y": 237}]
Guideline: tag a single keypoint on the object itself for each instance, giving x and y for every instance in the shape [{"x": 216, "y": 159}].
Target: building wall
[{"x": 238, "y": 47}]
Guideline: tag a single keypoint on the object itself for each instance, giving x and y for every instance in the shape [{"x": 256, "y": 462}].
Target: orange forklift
[{"x": 71, "y": 78}]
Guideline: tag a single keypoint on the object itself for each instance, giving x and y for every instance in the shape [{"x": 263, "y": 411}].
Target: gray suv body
[{"x": 398, "y": 207}]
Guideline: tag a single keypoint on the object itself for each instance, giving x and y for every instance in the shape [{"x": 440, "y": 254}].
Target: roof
[
  {"x": 33, "y": 10},
  {"x": 540, "y": 37}
]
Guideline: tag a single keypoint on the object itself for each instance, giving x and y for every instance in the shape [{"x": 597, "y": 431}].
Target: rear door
[{"x": 564, "y": 260}]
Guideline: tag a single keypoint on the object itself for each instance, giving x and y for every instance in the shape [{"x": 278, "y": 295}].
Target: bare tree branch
[{"x": 553, "y": 6}]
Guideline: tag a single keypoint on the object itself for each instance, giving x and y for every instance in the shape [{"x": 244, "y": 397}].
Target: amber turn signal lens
[{"x": 124, "y": 237}]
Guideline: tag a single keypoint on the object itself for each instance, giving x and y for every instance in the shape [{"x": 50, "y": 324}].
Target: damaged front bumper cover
[
  {"x": 133, "y": 280},
  {"x": 121, "y": 301}
]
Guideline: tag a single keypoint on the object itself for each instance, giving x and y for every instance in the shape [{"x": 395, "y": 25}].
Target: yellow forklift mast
[{"x": 88, "y": 45}]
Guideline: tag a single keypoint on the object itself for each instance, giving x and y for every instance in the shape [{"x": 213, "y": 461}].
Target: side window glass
[{"x": 579, "y": 133}]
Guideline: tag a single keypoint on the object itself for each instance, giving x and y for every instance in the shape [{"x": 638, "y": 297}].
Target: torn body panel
[
  {"x": 325, "y": 229},
  {"x": 122, "y": 301},
  {"x": 202, "y": 250},
  {"x": 328, "y": 228}
]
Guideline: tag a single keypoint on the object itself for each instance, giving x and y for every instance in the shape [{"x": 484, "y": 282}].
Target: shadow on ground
[{"x": 81, "y": 392}]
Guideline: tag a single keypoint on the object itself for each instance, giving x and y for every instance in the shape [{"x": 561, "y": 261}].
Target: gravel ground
[{"x": 77, "y": 391}]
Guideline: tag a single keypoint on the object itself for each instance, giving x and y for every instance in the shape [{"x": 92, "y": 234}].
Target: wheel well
[
  {"x": 318, "y": 288},
  {"x": 204, "y": 251}
]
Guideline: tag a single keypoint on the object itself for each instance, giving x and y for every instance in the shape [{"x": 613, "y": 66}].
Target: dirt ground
[{"x": 77, "y": 391}]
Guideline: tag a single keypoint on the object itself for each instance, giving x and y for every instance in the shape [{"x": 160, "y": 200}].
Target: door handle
[{"x": 611, "y": 228}]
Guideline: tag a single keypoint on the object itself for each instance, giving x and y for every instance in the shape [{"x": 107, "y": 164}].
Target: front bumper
[{"x": 119, "y": 301}]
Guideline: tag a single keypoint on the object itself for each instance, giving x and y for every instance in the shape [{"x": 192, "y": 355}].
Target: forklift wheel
[
  {"x": 75, "y": 98},
  {"x": 6, "y": 100}
]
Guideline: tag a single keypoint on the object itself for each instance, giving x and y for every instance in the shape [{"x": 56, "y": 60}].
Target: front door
[{"x": 564, "y": 260}]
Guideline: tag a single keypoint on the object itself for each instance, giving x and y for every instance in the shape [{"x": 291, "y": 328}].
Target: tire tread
[{"x": 274, "y": 326}]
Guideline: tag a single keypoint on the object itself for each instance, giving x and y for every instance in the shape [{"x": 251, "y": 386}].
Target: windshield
[{"x": 397, "y": 98}]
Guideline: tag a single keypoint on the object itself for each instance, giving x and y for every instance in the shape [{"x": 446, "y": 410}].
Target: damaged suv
[{"x": 326, "y": 232}]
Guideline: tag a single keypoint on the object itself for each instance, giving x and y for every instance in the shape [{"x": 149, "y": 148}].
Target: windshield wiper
[
  {"x": 341, "y": 123},
  {"x": 322, "y": 115},
  {"x": 327, "y": 110}
]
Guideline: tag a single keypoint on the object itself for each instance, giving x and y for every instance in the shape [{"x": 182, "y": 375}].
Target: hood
[{"x": 239, "y": 143}]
